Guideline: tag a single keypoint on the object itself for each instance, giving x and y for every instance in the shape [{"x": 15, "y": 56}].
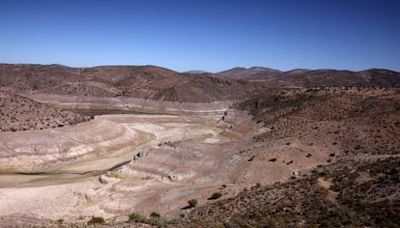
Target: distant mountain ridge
[
  {"x": 310, "y": 78},
  {"x": 252, "y": 73},
  {"x": 158, "y": 83},
  {"x": 196, "y": 72},
  {"x": 149, "y": 82}
]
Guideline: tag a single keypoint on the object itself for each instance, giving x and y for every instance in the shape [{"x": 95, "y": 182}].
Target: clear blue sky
[{"x": 203, "y": 34}]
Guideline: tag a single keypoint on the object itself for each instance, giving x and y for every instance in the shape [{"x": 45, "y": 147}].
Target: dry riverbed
[{"x": 169, "y": 159}]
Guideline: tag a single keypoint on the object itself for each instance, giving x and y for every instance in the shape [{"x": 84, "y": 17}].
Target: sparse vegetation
[
  {"x": 134, "y": 217},
  {"x": 154, "y": 219},
  {"x": 355, "y": 206},
  {"x": 157, "y": 221},
  {"x": 96, "y": 220},
  {"x": 154, "y": 214},
  {"x": 20, "y": 114}
]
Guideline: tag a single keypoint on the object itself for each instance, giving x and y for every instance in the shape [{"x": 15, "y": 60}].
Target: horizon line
[{"x": 186, "y": 71}]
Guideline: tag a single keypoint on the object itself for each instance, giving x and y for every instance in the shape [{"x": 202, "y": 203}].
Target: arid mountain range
[
  {"x": 312, "y": 78},
  {"x": 148, "y": 82},
  {"x": 152, "y": 82}
]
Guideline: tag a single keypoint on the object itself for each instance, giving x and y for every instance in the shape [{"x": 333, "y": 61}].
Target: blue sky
[{"x": 207, "y": 35}]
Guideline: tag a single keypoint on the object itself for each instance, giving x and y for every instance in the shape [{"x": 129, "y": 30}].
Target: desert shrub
[
  {"x": 272, "y": 159},
  {"x": 215, "y": 195},
  {"x": 154, "y": 214},
  {"x": 157, "y": 221},
  {"x": 96, "y": 220},
  {"x": 239, "y": 221},
  {"x": 154, "y": 220},
  {"x": 134, "y": 217},
  {"x": 192, "y": 203}
]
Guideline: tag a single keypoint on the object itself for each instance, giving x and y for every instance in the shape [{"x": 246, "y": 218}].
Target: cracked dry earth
[{"x": 178, "y": 158}]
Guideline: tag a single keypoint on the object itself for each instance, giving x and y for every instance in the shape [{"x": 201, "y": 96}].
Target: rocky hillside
[
  {"x": 354, "y": 121},
  {"x": 149, "y": 82},
  {"x": 360, "y": 185},
  {"x": 346, "y": 194},
  {"x": 19, "y": 114}
]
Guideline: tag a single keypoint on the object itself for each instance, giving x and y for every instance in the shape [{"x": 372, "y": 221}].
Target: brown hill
[
  {"x": 148, "y": 82},
  {"x": 253, "y": 73},
  {"x": 20, "y": 113},
  {"x": 313, "y": 78}
]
